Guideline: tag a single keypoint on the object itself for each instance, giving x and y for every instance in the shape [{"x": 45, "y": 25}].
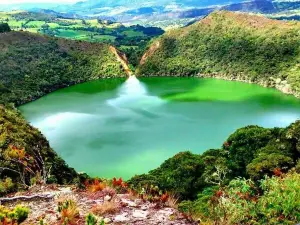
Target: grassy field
[{"x": 92, "y": 30}]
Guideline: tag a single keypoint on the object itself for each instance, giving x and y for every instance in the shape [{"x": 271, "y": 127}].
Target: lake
[{"x": 119, "y": 128}]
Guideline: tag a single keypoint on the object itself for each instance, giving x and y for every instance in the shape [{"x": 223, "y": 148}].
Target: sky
[{"x": 4, "y": 2}]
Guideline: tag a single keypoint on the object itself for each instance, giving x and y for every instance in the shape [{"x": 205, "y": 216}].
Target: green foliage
[
  {"x": 200, "y": 207},
  {"x": 265, "y": 164},
  {"x": 249, "y": 152},
  {"x": 13, "y": 216},
  {"x": 229, "y": 45},
  {"x": 21, "y": 213},
  {"x": 243, "y": 145},
  {"x": 280, "y": 203},
  {"x": 90, "y": 219},
  {"x": 6, "y": 185},
  {"x": 24, "y": 153},
  {"x": 4, "y": 27},
  {"x": 68, "y": 211},
  {"x": 180, "y": 174},
  {"x": 275, "y": 200},
  {"x": 93, "y": 30},
  {"x": 41, "y": 65}
]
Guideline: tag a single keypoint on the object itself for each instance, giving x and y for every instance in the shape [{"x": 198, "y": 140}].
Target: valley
[{"x": 193, "y": 125}]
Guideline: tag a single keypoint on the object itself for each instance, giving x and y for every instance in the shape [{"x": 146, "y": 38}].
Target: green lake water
[{"x": 121, "y": 127}]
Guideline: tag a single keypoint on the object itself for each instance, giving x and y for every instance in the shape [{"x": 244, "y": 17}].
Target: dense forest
[
  {"x": 32, "y": 65},
  {"x": 233, "y": 46},
  {"x": 252, "y": 179}
]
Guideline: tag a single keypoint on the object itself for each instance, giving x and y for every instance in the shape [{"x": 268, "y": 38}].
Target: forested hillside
[
  {"x": 233, "y": 46},
  {"x": 26, "y": 157},
  {"x": 249, "y": 180},
  {"x": 32, "y": 65}
]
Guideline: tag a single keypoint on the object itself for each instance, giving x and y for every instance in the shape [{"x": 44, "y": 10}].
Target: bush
[
  {"x": 14, "y": 216},
  {"x": 90, "y": 219},
  {"x": 274, "y": 200},
  {"x": 4, "y": 27},
  {"x": 6, "y": 186},
  {"x": 265, "y": 164},
  {"x": 68, "y": 211},
  {"x": 180, "y": 175},
  {"x": 280, "y": 202}
]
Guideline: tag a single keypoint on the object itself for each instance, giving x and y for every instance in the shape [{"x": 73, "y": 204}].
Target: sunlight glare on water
[{"x": 134, "y": 94}]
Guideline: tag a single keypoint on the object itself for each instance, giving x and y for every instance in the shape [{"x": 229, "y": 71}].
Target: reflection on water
[
  {"x": 134, "y": 94},
  {"x": 116, "y": 128}
]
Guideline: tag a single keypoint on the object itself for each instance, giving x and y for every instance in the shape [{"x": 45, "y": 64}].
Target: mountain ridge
[{"x": 228, "y": 45}]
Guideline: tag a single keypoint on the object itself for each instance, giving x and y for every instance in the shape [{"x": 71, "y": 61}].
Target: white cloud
[{"x": 4, "y": 2}]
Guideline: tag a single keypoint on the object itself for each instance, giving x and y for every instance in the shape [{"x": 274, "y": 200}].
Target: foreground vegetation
[
  {"x": 232, "y": 46},
  {"x": 244, "y": 182}
]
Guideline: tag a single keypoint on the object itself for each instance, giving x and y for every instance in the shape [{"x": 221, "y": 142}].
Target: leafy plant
[
  {"x": 90, "y": 219},
  {"x": 13, "y": 216},
  {"x": 68, "y": 211},
  {"x": 95, "y": 185},
  {"x": 6, "y": 185}
]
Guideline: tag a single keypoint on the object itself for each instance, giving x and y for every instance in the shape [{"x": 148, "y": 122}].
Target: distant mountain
[
  {"x": 164, "y": 13},
  {"x": 262, "y": 6}
]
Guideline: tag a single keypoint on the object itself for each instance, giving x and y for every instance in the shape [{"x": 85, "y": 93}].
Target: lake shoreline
[{"x": 274, "y": 83}]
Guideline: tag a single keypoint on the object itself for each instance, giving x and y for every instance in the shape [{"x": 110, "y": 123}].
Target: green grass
[
  {"x": 132, "y": 33},
  {"x": 84, "y": 35},
  {"x": 53, "y": 25},
  {"x": 35, "y": 23}
]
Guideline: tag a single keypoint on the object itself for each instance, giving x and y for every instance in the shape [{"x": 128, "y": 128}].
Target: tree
[{"x": 4, "y": 27}]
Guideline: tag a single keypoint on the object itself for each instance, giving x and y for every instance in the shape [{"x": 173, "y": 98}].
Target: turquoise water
[{"x": 120, "y": 127}]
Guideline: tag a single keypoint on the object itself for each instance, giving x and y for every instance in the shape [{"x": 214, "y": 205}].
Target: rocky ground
[{"x": 126, "y": 210}]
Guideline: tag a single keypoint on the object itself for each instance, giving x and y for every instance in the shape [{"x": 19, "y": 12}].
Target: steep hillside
[
  {"x": 33, "y": 65},
  {"x": 26, "y": 157},
  {"x": 233, "y": 46}
]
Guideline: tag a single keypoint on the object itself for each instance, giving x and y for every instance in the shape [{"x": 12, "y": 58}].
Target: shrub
[
  {"x": 95, "y": 185},
  {"x": 265, "y": 164},
  {"x": 6, "y": 186},
  {"x": 90, "y": 219},
  {"x": 4, "y": 27},
  {"x": 68, "y": 211},
  {"x": 280, "y": 202},
  {"x": 14, "y": 216},
  {"x": 180, "y": 175},
  {"x": 108, "y": 207}
]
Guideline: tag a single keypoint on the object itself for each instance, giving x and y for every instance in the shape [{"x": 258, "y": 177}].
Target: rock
[
  {"x": 144, "y": 207},
  {"x": 164, "y": 214},
  {"x": 129, "y": 203},
  {"x": 278, "y": 81},
  {"x": 107, "y": 198},
  {"x": 107, "y": 220},
  {"x": 121, "y": 218},
  {"x": 140, "y": 214},
  {"x": 138, "y": 201}
]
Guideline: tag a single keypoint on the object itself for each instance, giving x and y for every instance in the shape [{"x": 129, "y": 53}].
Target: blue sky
[{"x": 4, "y": 2}]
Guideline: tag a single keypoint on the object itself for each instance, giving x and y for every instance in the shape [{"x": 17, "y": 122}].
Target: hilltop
[{"x": 234, "y": 46}]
